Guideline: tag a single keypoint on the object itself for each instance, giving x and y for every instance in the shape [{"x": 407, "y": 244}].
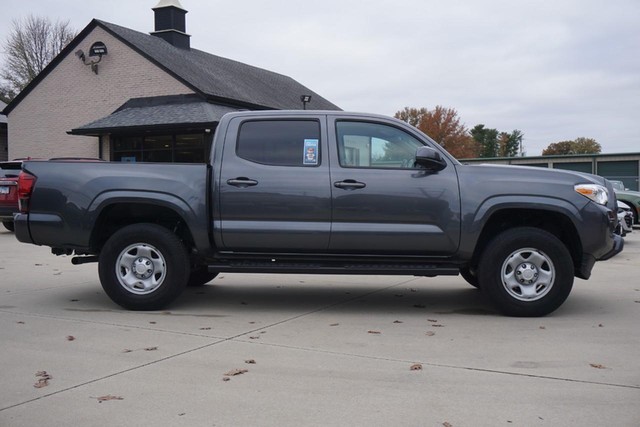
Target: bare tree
[{"x": 32, "y": 43}]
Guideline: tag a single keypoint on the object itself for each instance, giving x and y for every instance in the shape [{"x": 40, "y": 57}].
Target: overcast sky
[{"x": 556, "y": 70}]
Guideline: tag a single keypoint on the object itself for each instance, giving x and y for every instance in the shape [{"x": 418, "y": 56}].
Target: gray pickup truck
[{"x": 321, "y": 192}]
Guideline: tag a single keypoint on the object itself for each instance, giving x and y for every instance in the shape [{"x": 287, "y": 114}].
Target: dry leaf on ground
[
  {"x": 43, "y": 379},
  {"x": 235, "y": 372},
  {"x": 107, "y": 397},
  {"x": 374, "y": 332},
  {"x": 250, "y": 361},
  {"x": 446, "y": 424},
  {"x": 597, "y": 366},
  {"x": 416, "y": 367},
  {"x": 397, "y": 321},
  {"x": 150, "y": 348},
  {"x": 70, "y": 338}
]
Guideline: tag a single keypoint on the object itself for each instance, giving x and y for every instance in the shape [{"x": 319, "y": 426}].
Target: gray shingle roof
[
  {"x": 220, "y": 78},
  {"x": 173, "y": 111}
]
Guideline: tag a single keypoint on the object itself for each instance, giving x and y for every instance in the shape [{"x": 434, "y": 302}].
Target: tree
[
  {"x": 509, "y": 143},
  {"x": 31, "y": 45},
  {"x": 578, "y": 146},
  {"x": 444, "y": 126},
  {"x": 487, "y": 139}
]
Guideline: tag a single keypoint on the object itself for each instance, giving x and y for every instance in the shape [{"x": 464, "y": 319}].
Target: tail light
[{"x": 26, "y": 181}]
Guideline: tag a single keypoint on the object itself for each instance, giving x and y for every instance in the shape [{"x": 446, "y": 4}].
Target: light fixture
[
  {"x": 97, "y": 49},
  {"x": 305, "y": 99}
]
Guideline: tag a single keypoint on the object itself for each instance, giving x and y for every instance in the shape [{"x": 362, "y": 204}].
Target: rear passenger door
[{"x": 274, "y": 189}]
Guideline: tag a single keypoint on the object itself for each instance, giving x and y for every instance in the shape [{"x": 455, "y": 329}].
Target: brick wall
[{"x": 72, "y": 95}]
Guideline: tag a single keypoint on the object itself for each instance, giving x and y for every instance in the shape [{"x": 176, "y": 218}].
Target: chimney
[{"x": 170, "y": 23}]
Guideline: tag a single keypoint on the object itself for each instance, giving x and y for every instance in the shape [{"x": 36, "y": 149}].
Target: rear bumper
[{"x": 21, "y": 232}]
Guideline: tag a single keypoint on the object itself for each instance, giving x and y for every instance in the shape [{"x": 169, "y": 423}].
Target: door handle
[
  {"x": 242, "y": 182},
  {"x": 349, "y": 184}
]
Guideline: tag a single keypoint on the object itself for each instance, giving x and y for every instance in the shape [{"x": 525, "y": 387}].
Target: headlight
[{"x": 597, "y": 193}]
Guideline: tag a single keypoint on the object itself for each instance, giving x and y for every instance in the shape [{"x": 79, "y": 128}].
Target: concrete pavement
[{"x": 328, "y": 350}]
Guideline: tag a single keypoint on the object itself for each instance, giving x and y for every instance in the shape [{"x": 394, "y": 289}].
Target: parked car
[
  {"x": 625, "y": 219},
  {"x": 631, "y": 198},
  {"x": 9, "y": 172}
]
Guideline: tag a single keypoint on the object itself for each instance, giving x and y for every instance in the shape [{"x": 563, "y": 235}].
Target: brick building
[{"x": 122, "y": 95}]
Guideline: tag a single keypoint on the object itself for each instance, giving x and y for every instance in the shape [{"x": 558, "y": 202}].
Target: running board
[{"x": 429, "y": 270}]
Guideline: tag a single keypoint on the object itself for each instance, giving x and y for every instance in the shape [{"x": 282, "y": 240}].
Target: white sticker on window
[{"x": 310, "y": 152}]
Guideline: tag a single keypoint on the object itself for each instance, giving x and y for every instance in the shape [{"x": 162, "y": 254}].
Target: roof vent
[{"x": 170, "y": 23}]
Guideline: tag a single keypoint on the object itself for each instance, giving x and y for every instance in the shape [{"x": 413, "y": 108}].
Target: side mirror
[{"x": 430, "y": 159}]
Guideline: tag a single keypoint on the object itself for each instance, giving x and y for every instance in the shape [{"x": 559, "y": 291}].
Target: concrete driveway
[{"x": 313, "y": 350}]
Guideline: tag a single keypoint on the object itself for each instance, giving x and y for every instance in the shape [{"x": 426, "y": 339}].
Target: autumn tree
[
  {"x": 509, "y": 143},
  {"x": 444, "y": 126},
  {"x": 577, "y": 146},
  {"x": 31, "y": 45}
]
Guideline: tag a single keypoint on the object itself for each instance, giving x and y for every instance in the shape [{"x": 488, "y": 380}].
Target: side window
[
  {"x": 280, "y": 142},
  {"x": 374, "y": 145}
]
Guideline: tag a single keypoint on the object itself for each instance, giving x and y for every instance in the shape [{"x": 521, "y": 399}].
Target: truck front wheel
[
  {"x": 143, "y": 267},
  {"x": 526, "y": 272}
]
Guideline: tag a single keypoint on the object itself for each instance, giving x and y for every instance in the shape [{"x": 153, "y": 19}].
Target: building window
[{"x": 174, "y": 148}]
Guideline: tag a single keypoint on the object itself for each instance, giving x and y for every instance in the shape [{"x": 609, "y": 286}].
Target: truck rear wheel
[
  {"x": 526, "y": 272},
  {"x": 143, "y": 267}
]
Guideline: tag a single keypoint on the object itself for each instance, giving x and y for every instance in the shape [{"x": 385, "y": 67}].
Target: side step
[{"x": 412, "y": 269}]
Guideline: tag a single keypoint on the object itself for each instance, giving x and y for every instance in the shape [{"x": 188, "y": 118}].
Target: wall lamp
[
  {"x": 305, "y": 99},
  {"x": 97, "y": 49}
]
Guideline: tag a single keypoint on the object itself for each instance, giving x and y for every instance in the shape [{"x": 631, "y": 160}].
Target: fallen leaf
[
  {"x": 416, "y": 367},
  {"x": 334, "y": 324},
  {"x": 71, "y": 338},
  {"x": 107, "y": 397},
  {"x": 597, "y": 366},
  {"x": 250, "y": 361},
  {"x": 205, "y": 329},
  {"x": 429, "y": 333},
  {"x": 437, "y": 326},
  {"x": 397, "y": 321},
  {"x": 446, "y": 424},
  {"x": 150, "y": 348},
  {"x": 236, "y": 372},
  {"x": 432, "y": 320},
  {"x": 254, "y": 338},
  {"x": 226, "y": 379},
  {"x": 43, "y": 381},
  {"x": 374, "y": 332}
]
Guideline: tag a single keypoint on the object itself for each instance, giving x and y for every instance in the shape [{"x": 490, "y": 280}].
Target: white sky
[{"x": 556, "y": 70}]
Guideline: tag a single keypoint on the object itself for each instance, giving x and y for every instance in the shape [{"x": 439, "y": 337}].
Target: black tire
[
  {"x": 200, "y": 276},
  {"x": 9, "y": 225},
  {"x": 526, "y": 272},
  {"x": 143, "y": 246},
  {"x": 470, "y": 276}
]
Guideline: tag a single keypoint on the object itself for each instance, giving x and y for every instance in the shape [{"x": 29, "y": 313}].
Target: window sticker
[{"x": 310, "y": 152}]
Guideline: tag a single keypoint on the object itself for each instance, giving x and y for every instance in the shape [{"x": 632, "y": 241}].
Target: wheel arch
[
  {"x": 553, "y": 219},
  {"x": 109, "y": 213}
]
